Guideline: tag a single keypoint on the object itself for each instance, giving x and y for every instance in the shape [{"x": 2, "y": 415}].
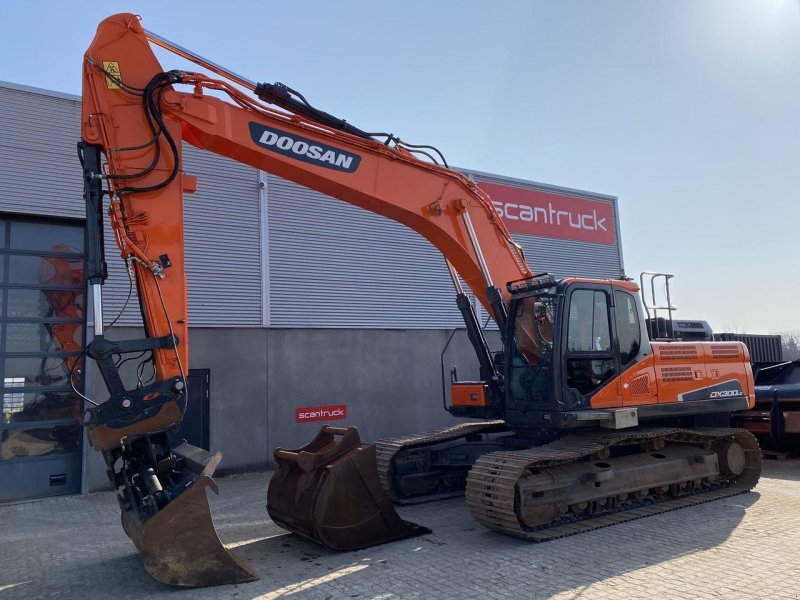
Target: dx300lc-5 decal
[{"x": 726, "y": 389}]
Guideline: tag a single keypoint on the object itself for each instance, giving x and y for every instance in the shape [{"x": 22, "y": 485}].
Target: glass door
[{"x": 42, "y": 335}]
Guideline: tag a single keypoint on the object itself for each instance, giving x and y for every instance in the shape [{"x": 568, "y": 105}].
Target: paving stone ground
[{"x": 747, "y": 546}]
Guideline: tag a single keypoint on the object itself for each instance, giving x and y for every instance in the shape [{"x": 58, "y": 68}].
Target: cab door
[{"x": 591, "y": 363}]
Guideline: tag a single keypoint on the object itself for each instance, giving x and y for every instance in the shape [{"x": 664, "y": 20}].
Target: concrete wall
[{"x": 390, "y": 381}]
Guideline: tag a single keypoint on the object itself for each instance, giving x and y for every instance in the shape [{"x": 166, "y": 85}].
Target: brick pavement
[{"x": 747, "y": 546}]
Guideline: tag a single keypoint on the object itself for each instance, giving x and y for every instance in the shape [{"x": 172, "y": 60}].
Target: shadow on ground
[{"x": 472, "y": 558}]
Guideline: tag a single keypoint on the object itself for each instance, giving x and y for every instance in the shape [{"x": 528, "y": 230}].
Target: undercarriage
[{"x": 576, "y": 483}]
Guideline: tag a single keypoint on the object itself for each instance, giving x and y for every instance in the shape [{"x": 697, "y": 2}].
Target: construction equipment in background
[
  {"x": 775, "y": 418},
  {"x": 765, "y": 350},
  {"x": 582, "y": 420}
]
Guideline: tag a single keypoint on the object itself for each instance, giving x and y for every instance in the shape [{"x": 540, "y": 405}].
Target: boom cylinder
[
  {"x": 487, "y": 276},
  {"x": 454, "y": 277},
  {"x": 199, "y": 60},
  {"x": 97, "y": 306},
  {"x": 474, "y": 331},
  {"x": 96, "y": 267},
  {"x": 492, "y": 292}
]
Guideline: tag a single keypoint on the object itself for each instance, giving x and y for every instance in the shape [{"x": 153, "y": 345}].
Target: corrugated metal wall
[
  {"x": 223, "y": 248},
  {"x": 336, "y": 265},
  {"x": 330, "y": 264},
  {"x": 40, "y": 175},
  {"x": 39, "y": 169},
  {"x": 223, "y": 242}
]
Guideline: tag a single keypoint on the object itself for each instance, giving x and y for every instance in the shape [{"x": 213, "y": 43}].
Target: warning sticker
[{"x": 111, "y": 67}]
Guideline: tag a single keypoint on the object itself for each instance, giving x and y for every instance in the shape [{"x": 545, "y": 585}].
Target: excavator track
[
  {"x": 390, "y": 448},
  {"x": 495, "y": 501}
]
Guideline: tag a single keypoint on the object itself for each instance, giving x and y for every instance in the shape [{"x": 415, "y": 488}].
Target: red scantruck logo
[
  {"x": 332, "y": 412},
  {"x": 549, "y": 214}
]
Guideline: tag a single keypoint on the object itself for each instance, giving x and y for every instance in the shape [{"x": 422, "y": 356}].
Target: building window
[{"x": 42, "y": 300}]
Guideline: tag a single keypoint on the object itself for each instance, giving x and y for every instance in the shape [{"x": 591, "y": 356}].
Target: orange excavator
[{"x": 581, "y": 421}]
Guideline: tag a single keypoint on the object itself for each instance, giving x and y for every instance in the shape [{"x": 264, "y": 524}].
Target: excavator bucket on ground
[
  {"x": 178, "y": 544},
  {"x": 329, "y": 492}
]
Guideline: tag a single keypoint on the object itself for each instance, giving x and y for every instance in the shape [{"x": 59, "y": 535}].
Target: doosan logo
[
  {"x": 304, "y": 149},
  {"x": 550, "y": 216}
]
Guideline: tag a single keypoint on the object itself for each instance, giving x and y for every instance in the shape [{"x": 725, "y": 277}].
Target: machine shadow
[
  {"x": 595, "y": 556},
  {"x": 587, "y": 557}
]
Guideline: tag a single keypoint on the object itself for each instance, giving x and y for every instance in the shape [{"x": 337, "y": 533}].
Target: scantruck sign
[
  {"x": 554, "y": 215},
  {"x": 331, "y": 412}
]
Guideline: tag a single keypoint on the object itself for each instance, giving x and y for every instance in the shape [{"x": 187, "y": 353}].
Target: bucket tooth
[
  {"x": 329, "y": 492},
  {"x": 171, "y": 526}
]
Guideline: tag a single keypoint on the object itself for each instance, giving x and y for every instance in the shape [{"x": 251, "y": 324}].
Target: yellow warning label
[{"x": 111, "y": 67}]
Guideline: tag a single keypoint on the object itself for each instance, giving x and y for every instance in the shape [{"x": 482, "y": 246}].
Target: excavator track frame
[
  {"x": 494, "y": 501},
  {"x": 389, "y": 449}
]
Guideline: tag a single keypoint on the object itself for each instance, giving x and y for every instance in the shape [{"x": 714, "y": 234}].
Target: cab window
[
  {"x": 533, "y": 329},
  {"x": 628, "y": 330},
  {"x": 588, "y": 322},
  {"x": 589, "y": 360}
]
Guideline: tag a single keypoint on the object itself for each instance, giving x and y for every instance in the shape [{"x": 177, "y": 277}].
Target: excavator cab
[
  {"x": 580, "y": 353},
  {"x": 566, "y": 342}
]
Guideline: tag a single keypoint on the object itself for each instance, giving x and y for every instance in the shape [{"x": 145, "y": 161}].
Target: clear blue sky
[{"x": 686, "y": 110}]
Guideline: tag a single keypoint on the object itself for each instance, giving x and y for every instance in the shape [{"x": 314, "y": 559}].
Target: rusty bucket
[
  {"x": 177, "y": 542},
  {"x": 329, "y": 492}
]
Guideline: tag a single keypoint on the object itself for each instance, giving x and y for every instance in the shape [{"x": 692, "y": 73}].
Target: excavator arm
[{"x": 135, "y": 118}]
